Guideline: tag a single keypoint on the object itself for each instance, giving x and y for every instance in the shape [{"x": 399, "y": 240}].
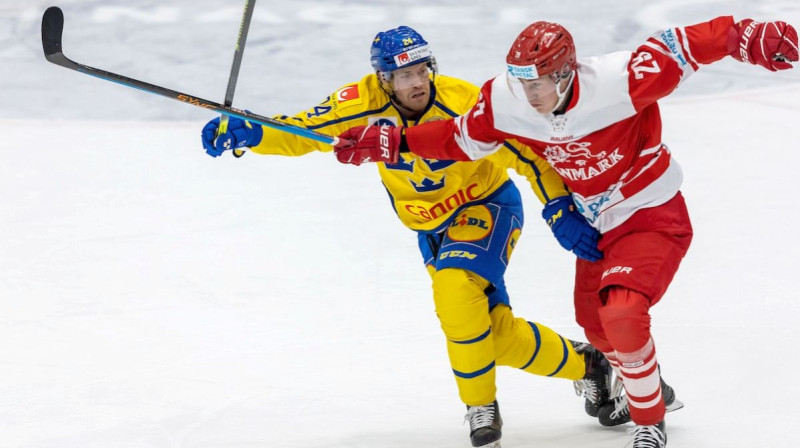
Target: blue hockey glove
[
  {"x": 240, "y": 133},
  {"x": 571, "y": 229}
]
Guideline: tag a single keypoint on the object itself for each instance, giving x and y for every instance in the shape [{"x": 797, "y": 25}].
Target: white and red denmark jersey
[{"x": 607, "y": 145}]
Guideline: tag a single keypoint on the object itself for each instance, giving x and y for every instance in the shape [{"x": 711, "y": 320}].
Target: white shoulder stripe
[
  {"x": 474, "y": 149},
  {"x": 657, "y": 48}
]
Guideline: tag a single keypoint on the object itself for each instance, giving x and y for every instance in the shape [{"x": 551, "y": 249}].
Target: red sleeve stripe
[
  {"x": 655, "y": 167},
  {"x": 687, "y": 52},
  {"x": 642, "y": 154}
]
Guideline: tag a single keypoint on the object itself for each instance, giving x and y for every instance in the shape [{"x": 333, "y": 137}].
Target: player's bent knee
[
  {"x": 626, "y": 319},
  {"x": 599, "y": 340},
  {"x": 503, "y": 321},
  {"x": 461, "y": 303},
  {"x": 452, "y": 284}
]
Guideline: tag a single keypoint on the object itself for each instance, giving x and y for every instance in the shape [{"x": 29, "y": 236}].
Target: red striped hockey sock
[{"x": 642, "y": 382}]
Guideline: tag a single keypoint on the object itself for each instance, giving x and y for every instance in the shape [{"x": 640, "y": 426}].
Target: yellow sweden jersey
[{"x": 425, "y": 193}]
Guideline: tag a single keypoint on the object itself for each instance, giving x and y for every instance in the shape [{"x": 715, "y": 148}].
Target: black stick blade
[{"x": 52, "y": 28}]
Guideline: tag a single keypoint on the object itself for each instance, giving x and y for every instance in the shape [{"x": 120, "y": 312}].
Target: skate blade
[
  {"x": 616, "y": 388},
  {"x": 495, "y": 444},
  {"x": 675, "y": 405}
]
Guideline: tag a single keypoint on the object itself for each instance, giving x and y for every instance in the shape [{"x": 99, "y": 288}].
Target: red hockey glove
[
  {"x": 369, "y": 144},
  {"x": 771, "y": 45}
]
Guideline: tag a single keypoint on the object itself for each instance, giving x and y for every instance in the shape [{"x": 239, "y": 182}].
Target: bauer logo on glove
[{"x": 363, "y": 144}]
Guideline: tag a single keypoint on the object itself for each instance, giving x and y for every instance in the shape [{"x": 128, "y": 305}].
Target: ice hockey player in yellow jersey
[{"x": 467, "y": 215}]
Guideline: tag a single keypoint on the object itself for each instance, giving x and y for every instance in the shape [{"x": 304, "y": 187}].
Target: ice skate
[
  {"x": 616, "y": 411},
  {"x": 594, "y": 386},
  {"x": 651, "y": 436},
  {"x": 484, "y": 425}
]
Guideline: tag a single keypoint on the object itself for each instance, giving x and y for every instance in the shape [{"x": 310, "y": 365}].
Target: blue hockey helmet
[{"x": 400, "y": 47}]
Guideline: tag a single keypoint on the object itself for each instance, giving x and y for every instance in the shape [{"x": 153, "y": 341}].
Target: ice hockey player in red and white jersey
[{"x": 597, "y": 122}]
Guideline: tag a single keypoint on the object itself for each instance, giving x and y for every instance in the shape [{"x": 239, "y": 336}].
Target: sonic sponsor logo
[
  {"x": 473, "y": 224},
  {"x": 449, "y": 204}
]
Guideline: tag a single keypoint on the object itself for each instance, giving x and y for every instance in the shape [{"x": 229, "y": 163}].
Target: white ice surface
[{"x": 152, "y": 296}]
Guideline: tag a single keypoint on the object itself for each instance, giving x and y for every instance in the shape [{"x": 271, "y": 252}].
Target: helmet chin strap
[
  {"x": 398, "y": 103},
  {"x": 562, "y": 96},
  {"x": 396, "y": 100}
]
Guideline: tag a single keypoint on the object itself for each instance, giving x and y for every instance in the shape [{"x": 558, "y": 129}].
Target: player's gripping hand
[
  {"x": 374, "y": 143},
  {"x": 571, "y": 229},
  {"x": 772, "y": 45},
  {"x": 240, "y": 133}
]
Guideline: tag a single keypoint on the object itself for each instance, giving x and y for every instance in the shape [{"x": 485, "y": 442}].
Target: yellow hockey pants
[{"x": 479, "y": 340}]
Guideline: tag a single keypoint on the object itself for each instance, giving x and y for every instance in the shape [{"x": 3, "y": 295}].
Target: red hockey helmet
[{"x": 541, "y": 49}]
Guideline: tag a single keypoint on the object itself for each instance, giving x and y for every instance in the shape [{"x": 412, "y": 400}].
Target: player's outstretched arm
[
  {"x": 670, "y": 56},
  {"x": 363, "y": 144},
  {"x": 772, "y": 45}
]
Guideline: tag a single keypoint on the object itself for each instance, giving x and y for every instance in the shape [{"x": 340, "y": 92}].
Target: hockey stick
[
  {"x": 52, "y": 28},
  {"x": 249, "y": 5}
]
